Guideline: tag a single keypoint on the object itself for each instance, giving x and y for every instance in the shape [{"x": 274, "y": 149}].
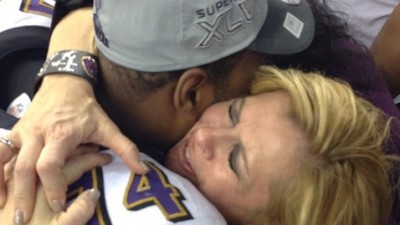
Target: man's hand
[{"x": 63, "y": 115}]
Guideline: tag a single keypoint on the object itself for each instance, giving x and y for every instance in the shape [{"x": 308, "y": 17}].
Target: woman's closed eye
[
  {"x": 235, "y": 109},
  {"x": 233, "y": 156}
]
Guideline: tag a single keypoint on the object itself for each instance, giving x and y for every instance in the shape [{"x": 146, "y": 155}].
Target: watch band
[{"x": 70, "y": 62}]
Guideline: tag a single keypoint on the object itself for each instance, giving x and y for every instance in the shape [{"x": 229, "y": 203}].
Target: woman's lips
[{"x": 185, "y": 158}]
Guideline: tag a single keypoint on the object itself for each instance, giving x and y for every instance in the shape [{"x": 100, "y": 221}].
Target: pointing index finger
[{"x": 125, "y": 148}]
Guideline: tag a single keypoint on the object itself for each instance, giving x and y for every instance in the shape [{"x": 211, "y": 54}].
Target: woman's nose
[{"x": 210, "y": 140}]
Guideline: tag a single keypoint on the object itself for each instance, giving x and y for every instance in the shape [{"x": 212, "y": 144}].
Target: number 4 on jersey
[{"x": 155, "y": 189}]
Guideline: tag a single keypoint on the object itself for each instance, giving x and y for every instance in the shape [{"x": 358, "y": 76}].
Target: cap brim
[{"x": 287, "y": 29}]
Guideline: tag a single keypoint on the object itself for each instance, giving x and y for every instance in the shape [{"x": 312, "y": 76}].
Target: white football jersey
[
  {"x": 157, "y": 198},
  {"x": 17, "y": 13}
]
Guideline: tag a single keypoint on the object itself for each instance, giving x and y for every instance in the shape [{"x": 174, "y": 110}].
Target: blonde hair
[{"x": 344, "y": 177}]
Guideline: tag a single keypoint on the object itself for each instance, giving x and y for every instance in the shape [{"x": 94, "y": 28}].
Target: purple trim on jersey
[
  {"x": 89, "y": 180},
  {"x": 37, "y": 6}
]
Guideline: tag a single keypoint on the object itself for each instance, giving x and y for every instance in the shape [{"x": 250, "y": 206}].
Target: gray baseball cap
[{"x": 165, "y": 35}]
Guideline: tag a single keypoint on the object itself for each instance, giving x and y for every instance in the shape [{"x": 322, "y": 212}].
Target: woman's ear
[{"x": 194, "y": 91}]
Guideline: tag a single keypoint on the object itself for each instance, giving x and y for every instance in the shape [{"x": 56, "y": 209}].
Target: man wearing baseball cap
[{"x": 189, "y": 55}]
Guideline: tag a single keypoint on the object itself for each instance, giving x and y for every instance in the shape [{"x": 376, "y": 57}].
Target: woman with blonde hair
[
  {"x": 303, "y": 149},
  {"x": 344, "y": 173}
]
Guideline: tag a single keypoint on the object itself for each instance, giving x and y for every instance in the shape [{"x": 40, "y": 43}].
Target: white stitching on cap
[{"x": 292, "y": 2}]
